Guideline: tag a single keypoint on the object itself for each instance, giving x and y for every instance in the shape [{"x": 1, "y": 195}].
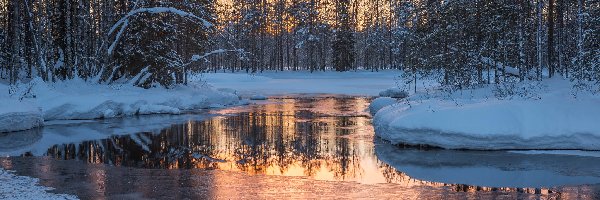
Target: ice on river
[{"x": 493, "y": 168}]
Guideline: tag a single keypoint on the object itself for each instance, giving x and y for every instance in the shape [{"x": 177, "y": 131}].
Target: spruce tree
[{"x": 343, "y": 45}]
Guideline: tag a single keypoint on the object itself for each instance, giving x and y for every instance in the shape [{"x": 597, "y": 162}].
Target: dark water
[{"x": 301, "y": 147}]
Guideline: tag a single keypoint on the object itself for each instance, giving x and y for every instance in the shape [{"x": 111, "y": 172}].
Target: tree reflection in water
[
  {"x": 323, "y": 138},
  {"x": 295, "y": 137}
]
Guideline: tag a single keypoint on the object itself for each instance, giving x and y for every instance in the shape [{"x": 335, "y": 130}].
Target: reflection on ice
[
  {"x": 560, "y": 152},
  {"x": 322, "y": 138},
  {"x": 16, "y": 140},
  {"x": 491, "y": 168},
  {"x": 36, "y": 142}
]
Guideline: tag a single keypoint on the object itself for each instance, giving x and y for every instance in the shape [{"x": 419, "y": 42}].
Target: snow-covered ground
[
  {"x": 19, "y": 115},
  {"x": 303, "y": 82},
  {"x": 537, "y": 116},
  {"x": 22, "y": 187},
  {"x": 381, "y": 102},
  {"x": 38, "y": 101}
]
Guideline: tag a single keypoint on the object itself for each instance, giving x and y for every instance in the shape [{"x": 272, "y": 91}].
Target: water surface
[{"x": 301, "y": 147}]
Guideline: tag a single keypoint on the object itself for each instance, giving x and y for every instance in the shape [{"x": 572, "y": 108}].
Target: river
[{"x": 301, "y": 147}]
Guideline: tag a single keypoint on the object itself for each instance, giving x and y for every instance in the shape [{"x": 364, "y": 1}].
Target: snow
[
  {"x": 78, "y": 99},
  {"x": 380, "y": 103},
  {"x": 204, "y": 57},
  {"x": 22, "y": 187},
  {"x": 545, "y": 116},
  {"x": 303, "y": 82},
  {"x": 157, "y": 10},
  {"x": 500, "y": 66},
  {"x": 18, "y": 116}
]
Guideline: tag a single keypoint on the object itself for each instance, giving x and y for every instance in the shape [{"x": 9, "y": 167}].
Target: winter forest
[
  {"x": 300, "y": 99},
  {"x": 461, "y": 43}
]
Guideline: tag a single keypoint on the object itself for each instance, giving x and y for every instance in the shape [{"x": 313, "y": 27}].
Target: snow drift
[
  {"x": 78, "y": 99},
  {"x": 18, "y": 116},
  {"x": 555, "y": 119},
  {"x": 380, "y": 103},
  {"x": 23, "y": 187}
]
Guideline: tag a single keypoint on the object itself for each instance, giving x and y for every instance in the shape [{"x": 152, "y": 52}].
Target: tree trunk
[
  {"x": 539, "y": 39},
  {"x": 559, "y": 36},
  {"x": 551, "y": 38}
]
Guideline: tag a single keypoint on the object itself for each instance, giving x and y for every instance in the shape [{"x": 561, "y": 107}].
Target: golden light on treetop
[{"x": 362, "y": 13}]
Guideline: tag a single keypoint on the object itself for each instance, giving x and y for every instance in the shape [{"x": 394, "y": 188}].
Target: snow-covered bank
[
  {"x": 303, "y": 82},
  {"x": 23, "y": 187},
  {"x": 545, "y": 116},
  {"x": 379, "y": 103},
  {"x": 18, "y": 116},
  {"x": 77, "y": 99}
]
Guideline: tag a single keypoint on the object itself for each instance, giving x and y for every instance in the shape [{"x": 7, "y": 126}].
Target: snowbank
[
  {"x": 18, "y": 116},
  {"x": 553, "y": 119},
  {"x": 380, "y": 103},
  {"x": 23, "y": 187},
  {"x": 77, "y": 99}
]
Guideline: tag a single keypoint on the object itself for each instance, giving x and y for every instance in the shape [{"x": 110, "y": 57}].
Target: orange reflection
[{"x": 318, "y": 138}]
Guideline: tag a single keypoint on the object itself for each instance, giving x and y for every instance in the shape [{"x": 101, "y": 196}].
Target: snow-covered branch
[
  {"x": 118, "y": 37},
  {"x": 124, "y": 22},
  {"x": 204, "y": 57}
]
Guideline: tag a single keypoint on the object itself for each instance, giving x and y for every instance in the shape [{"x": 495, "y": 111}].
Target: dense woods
[
  {"x": 146, "y": 42},
  {"x": 149, "y": 42}
]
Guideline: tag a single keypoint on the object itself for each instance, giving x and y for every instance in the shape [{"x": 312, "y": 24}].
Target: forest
[{"x": 461, "y": 43}]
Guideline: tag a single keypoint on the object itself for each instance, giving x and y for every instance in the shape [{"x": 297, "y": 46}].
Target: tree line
[
  {"x": 461, "y": 42},
  {"x": 146, "y": 42}
]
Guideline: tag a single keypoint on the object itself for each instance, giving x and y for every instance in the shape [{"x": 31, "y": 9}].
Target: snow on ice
[{"x": 22, "y": 187}]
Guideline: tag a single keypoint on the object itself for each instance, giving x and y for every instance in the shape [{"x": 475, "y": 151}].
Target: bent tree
[{"x": 153, "y": 46}]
